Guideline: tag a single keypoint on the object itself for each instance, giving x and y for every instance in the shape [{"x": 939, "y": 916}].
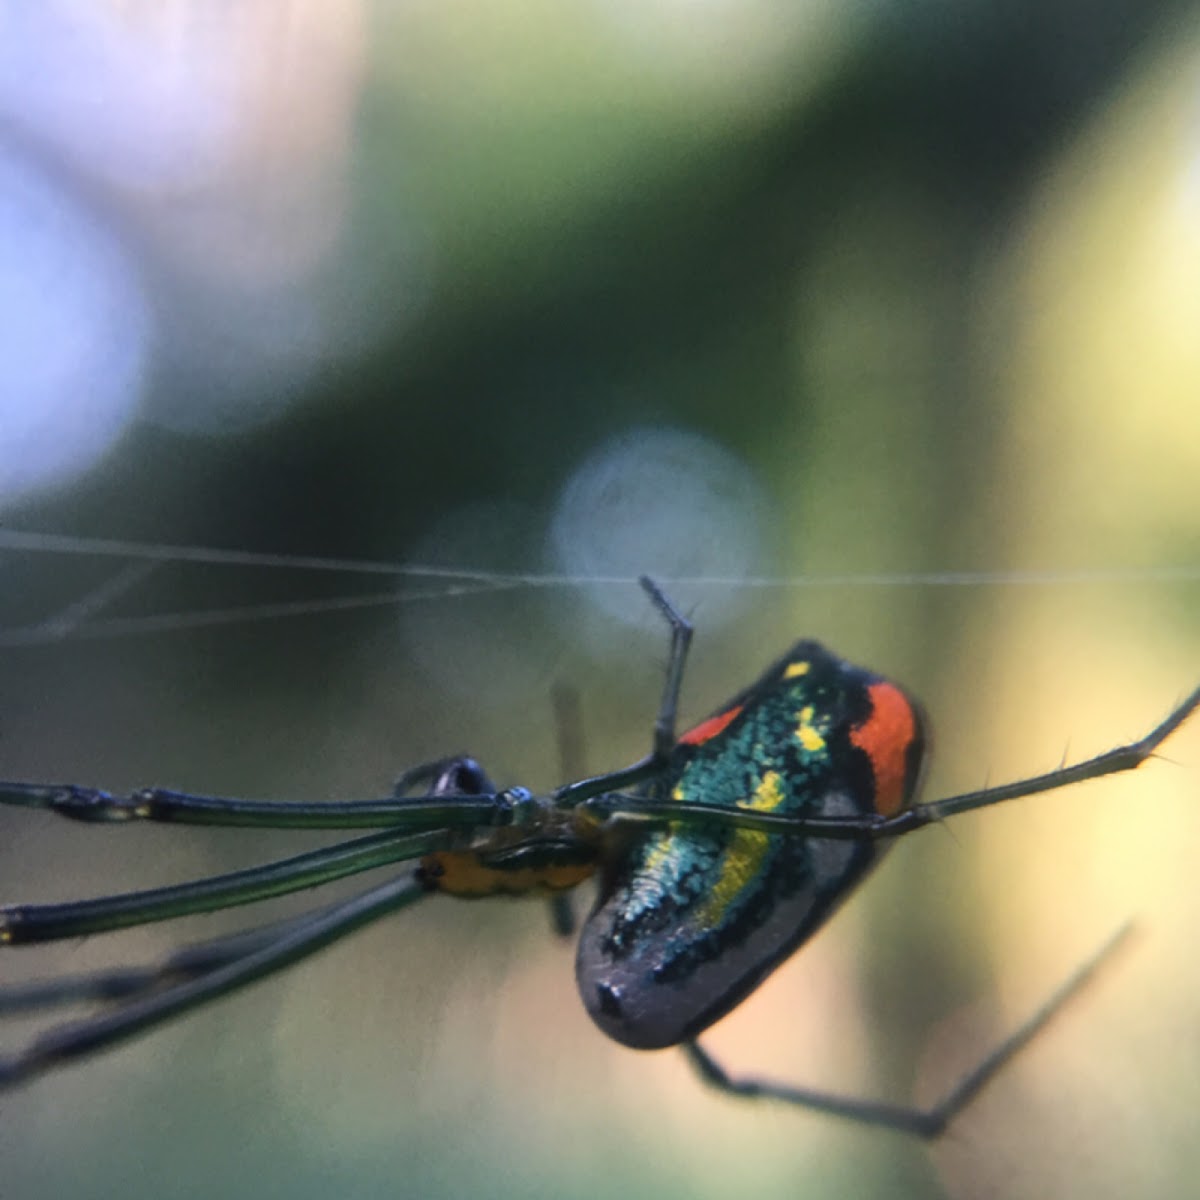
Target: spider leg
[
  {"x": 455, "y": 775},
  {"x": 681, "y": 640},
  {"x": 925, "y": 1123},
  {"x": 306, "y": 936},
  {"x": 1111, "y": 762},
  {"x": 575, "y": 793},
  {"x": 157, "y": 804},
  {"x": 123, "y": 983},
  {"x": 46, "y": 922},
  {"x": 617, "y": 807},
  {"x": 568, "y": 736}
]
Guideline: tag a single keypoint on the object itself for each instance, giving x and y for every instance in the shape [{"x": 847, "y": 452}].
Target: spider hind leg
[{"x": 925, "y": 1123}]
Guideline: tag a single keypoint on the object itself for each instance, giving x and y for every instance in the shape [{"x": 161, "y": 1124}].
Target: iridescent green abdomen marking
[{"x": 690, "y": 919}]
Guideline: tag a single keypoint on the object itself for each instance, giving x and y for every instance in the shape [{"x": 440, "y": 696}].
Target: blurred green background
[{"x": 767, "y": 291}]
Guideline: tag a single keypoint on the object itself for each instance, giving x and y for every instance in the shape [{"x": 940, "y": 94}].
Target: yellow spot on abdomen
[
  {"x": 806, "y": 731},
  {"x": 796, "y": 668},
  {"x": 744, "y": 857},
  {"x": 660, "y": 851}
]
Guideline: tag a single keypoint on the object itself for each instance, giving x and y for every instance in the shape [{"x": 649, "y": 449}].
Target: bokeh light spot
[
  {"x": 73, "y": 335},
  {"x": 663, "y": 502}
]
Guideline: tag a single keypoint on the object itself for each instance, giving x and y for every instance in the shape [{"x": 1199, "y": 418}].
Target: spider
[{"x": 718, "y": 855}]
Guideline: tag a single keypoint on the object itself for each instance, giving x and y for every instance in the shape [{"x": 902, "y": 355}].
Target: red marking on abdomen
[
  {"x": 707, "y": 730},
  {"x": 885, "y": 737}
]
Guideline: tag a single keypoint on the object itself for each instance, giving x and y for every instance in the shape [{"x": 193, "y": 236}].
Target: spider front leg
[
  {"x": 571, "y": 794},
  {"x": 435, "y": 810},
  {"x": 303, "y": 938},
  {"x": 24, "y": 923},
  {"x": 924, "y": 1123},
  {"x": 124, "y": 983},
  {"x": 681, "y": 640},
  {"x": 457, "y": 775},
  {"x": 568, "y": 735},
  {"x": 198, "y": 974}
]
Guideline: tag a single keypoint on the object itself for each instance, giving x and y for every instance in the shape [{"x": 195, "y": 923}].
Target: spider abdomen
[{"x": 691, "y": 919}]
